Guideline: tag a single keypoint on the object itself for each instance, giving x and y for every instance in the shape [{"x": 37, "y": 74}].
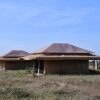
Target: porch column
[
  {"x": 39, "y": 66},
  {"x": 44, "y": 71},
  {"x": 95, "y": 65}
]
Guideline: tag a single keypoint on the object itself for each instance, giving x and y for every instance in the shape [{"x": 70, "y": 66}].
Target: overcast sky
[{"x": 32, "y": 24}]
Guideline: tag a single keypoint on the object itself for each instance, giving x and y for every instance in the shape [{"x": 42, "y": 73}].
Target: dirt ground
[{"x": 16, "y": 85}]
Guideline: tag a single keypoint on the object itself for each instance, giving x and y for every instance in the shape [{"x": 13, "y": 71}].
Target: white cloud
[{"x": 54, "y": 18}]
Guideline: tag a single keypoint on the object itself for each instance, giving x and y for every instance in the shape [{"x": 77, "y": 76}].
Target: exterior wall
[
  {"x": 16, "y": 65},
  {"x": 66, "y": 67},
  {"x": 53, "y": 66},
  {"x": 2, "y": 64}
]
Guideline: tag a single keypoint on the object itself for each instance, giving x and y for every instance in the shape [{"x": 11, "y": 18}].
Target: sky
[{"x": 31, "y": 24}]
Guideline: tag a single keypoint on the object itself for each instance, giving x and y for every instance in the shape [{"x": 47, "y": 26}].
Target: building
[
  {"x": 61, "y": 58},
  {"x": 11, "y": 60}
]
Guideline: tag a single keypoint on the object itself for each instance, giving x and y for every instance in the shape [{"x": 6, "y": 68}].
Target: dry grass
[{"x": 18, "y": 85}]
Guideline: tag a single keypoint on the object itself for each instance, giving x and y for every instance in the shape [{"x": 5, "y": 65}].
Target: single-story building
[
  {"x": 61, "y": 58},
  {"x": 11, "y": 60}
]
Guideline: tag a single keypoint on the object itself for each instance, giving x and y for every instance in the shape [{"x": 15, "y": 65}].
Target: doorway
[{"x": 39, "y": 66}]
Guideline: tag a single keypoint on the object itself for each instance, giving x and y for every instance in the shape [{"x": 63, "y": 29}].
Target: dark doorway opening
[{"x": 39, "y": 66}]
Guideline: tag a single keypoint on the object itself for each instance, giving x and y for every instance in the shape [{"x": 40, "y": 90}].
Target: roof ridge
[
  {"x": 16, "y": 53},
  {"x": 80, "y": 48},
  {"x": 63, "y": 48},
  {"x": 74, "y": 46},
  {"x": 49, "y": 46},
  {"x": 42, "y": 49}
]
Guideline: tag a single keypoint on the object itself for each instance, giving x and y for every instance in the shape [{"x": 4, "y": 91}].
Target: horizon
[{"x": 34, "y": 24}]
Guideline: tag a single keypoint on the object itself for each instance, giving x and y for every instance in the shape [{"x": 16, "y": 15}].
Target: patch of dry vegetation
[{"x": 19, "y": 85}]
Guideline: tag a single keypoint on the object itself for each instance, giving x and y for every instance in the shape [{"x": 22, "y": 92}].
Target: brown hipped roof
[
  {"x": 62, "y": 51},
  {"x": 62, "y": 48},
  {"x": 16, "y": 54}
]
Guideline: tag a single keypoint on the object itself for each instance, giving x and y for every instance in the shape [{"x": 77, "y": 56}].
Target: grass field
[{"x": 19, "y": 85}]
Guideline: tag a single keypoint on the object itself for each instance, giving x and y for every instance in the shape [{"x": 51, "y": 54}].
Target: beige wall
[
  {"x": 66, "y": 67},
  {"x": 53, "y": 66}
]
